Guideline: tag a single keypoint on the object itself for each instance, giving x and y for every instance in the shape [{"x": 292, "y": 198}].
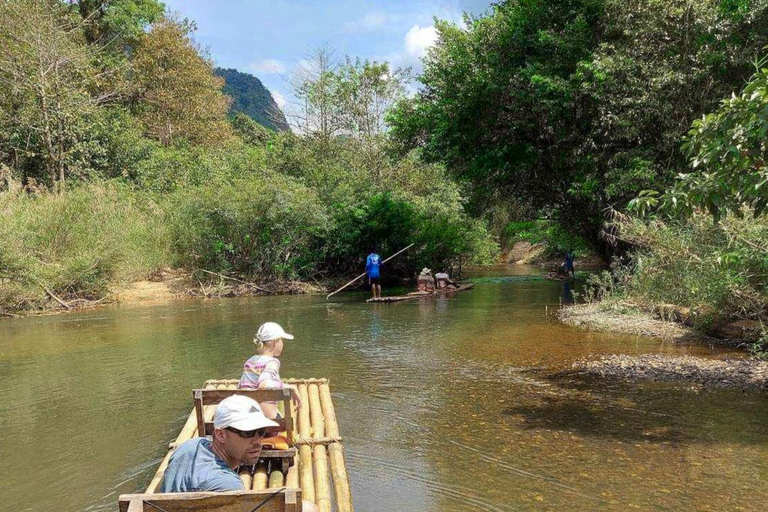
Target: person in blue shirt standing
[{"x": 373, "y": 269}]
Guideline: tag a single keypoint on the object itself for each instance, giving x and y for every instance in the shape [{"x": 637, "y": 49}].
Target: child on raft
[{"x": 262, "y": 371}]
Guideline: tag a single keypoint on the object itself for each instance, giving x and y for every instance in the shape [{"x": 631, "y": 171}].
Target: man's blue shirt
[
  {"x": 372, "y": 264},
  {"x": 194, "y": 467}
]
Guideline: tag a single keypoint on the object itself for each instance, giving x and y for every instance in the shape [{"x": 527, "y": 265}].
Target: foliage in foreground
[{"x": 728, "y": 151}]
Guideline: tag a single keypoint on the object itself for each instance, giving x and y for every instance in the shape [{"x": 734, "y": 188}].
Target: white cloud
[
  {"x": 279, "y": 98},
  {"x": 419, "y": 39},
  {"x": 268, "y": 66}
]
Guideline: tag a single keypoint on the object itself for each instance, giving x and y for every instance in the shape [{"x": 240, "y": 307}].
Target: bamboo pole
[
  {"x": 339, "y": 475},
  {"x": 276, "y": 479},
  {"x": 322, "y": 488},
  {"x": 260, "y": 477},
  {"x": 292, "y": 478},
  {"x": 305, "y": 452},
  {"x": 245, "y": 476}
]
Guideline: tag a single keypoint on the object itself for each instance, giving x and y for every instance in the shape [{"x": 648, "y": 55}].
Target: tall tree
[
  {"x": 314, "y": 84},
  {"x": 177, "y": 95},
  {"x": 46, "y": 78},
  {"x": 366, "y": 92}
]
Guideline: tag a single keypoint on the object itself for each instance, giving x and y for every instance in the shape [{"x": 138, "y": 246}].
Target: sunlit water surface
[{"x": 445, "y": 404}]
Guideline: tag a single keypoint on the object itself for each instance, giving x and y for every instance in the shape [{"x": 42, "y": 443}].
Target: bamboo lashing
[
  {"x": 312, "y": 441},
  {"x": 341, "y": 488},
  {"x": 364, "y": 273},
  {"x": 305, "y": 452},
  {"x": 322, "y": 485}
]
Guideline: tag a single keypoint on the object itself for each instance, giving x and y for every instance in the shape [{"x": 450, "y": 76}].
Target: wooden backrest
[
  {"x": 203, "y": 397},
  {"x": 275, "y": 500}
]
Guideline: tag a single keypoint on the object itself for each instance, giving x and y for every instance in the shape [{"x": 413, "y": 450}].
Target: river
[{"x": 445, "y": 404}]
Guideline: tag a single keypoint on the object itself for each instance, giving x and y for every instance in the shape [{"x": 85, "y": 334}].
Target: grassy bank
[{"x": 77, "y": 246}]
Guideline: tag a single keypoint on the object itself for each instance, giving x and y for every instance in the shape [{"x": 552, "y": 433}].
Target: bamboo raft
[
  {"x": 416, "y": 295},
  {"x": 312, "y": 468}
]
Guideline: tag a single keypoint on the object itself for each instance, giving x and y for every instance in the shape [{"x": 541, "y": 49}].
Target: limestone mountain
[{"x": 250, "y": 97}]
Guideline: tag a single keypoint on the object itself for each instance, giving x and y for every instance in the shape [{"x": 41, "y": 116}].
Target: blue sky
[{"x": 269, "y": 38}]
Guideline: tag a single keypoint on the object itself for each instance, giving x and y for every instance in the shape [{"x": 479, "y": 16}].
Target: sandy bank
[{"x": 621, "y": 318}]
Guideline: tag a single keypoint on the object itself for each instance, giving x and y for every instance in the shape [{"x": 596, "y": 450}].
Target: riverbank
[
  {"x": 625, "y": 318},
  {"x": 167, "y": 285}
]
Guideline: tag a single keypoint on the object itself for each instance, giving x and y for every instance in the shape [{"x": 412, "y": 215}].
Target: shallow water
[{"x": 445, "y": 404}]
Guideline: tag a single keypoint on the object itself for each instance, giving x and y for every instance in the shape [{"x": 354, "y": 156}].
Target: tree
[
  {"x": 177, "y": 95},
  {"x": 728, "y": 153},
  {"x": 117, "y": 24},
  {"x": 367, "y": 90},
  {"x": 314, "y": 85},
  {"x": 45, "y": 82},
  {"x": 574, "y": 105}
]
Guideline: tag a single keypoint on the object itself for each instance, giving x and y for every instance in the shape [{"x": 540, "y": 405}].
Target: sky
[{"x": 269, "y": 38}]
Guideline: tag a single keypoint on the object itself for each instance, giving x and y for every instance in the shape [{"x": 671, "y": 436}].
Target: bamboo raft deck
[
  {"x": 416, "y": 295},
  {"x": 315, "y": 472}
]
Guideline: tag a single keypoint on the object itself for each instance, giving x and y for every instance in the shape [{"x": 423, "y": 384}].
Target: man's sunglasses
[{"x": 247, "y": 434}]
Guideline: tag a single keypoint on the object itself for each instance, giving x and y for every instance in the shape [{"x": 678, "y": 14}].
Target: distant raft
[
  {"x": 415, "y": 295},
  {"x": 310, "y": 467}
]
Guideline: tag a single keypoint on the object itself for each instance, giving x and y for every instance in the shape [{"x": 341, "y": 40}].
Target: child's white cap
[{"x": 271, "y": 331}]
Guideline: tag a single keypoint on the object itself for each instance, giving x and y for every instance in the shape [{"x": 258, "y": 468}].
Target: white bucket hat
[
  {"x": 242, "y": 413},
  {"x": 271, "y": 331},
  {"x": 425, "y": 271}
]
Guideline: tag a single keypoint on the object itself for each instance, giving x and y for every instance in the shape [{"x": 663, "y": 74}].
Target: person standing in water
[
  {"x": 262, "y": 371},
  {"x": 373, "y": 269},
  {"x": 568, "y": 264}
]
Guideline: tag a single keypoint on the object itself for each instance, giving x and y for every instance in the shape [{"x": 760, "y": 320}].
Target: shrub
[
  {"x": 720, "y": 270},
  {"x": 77, "y": 244},
  {"x": 267, "y": 226}
]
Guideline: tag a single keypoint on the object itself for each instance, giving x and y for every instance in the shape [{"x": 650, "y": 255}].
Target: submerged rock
[{"x": 741, "y": 373}]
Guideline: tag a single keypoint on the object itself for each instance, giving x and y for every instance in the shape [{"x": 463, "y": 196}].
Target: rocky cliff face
[{"x": 250, "y": 97}]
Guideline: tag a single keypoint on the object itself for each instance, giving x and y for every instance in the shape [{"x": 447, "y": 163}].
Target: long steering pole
[{"x": 364, "y": 273}]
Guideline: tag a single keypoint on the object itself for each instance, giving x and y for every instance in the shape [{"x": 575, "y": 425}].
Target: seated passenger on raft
[
  {"x": 425, "y": 282},
  {"x": 203, "y": 465},
  {"x": 444, "y": 281}
]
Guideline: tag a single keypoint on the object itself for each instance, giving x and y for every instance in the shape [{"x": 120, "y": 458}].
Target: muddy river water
[{"x": 445, "y": 404}]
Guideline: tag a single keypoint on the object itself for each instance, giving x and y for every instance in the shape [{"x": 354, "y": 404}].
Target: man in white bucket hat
[{"x": 211, "y": 465}]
